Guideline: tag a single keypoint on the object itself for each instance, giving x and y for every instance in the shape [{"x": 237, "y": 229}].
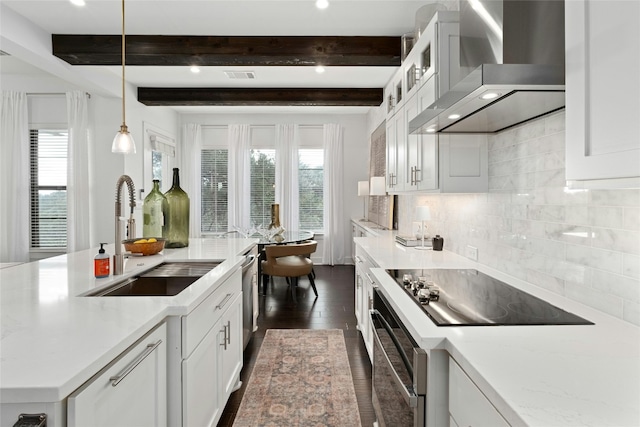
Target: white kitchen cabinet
[
  {"x": 364, "y": 298},
  {"x": 422, "y": 150},
  {"x": 426, "y": 162},
  {"x": 211, "y": 372},
  {"x": 602, "y": 92},
  {"x": 444, "y": 163},
  {"x": 394, "y": 93},
  {"x": 230, "y": 347},
  {"x": 395, "y": 151},
  {"x": 201, "y": 399},
  {"x": 211, "y": 354},
  {"x": 467, "y": 405},
  {"x": 130, "y": 391}
]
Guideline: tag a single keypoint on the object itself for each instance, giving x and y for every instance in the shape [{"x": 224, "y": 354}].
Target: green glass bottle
[
  {"x": 154, "y": 209},
  {"x": 176, "y": 229}
]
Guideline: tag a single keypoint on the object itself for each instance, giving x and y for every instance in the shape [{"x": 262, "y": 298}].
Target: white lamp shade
[
  {"x": 377, "y": 186},
  {"x": 123, "y": 143},
  {"x": 423, "y": 213},
  {"x": 363, "y": 188}
]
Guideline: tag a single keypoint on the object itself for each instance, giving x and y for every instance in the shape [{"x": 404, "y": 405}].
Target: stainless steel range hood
[{"x": 512, "y": 50}]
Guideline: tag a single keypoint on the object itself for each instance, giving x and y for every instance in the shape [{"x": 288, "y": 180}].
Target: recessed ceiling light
[
  {"x": 490, "y": 95},
  {"x": 78, "y": 2},
  {"x": 322, "y": 4},
  {"x": 319, "y": 69},
  {"x": 454, "y": 116},
  {"x": 195, "y": 69},
  {"x": 431, "y": 130}
]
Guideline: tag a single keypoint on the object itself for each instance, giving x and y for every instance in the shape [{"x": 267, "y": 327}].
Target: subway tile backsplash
[{"x": 583, "y": 244}]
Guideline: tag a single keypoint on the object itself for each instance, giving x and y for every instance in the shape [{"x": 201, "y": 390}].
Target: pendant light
[{"x": 123, "y": 142}]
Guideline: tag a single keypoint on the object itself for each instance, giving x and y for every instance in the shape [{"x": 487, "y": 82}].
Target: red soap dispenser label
[{"x": 101, "y": 267}]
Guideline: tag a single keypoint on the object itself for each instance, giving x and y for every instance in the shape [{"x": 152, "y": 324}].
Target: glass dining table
[{"x": 283, "y": 238}]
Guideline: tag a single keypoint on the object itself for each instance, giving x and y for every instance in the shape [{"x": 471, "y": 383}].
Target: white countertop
[
  {"x": 585, "y": 375},
  {"x": 53, "y": 340}
]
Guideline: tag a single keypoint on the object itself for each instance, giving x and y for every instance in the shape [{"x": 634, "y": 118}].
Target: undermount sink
[{"x": 167, "y": 279}]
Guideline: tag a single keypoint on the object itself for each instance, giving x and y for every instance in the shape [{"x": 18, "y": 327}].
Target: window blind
[
  {"x": 48, "y": 198},
  {"x": 214, "y": 189},
  {"x": 311, "y": 189},
  {"x": 263, "y": 179}
]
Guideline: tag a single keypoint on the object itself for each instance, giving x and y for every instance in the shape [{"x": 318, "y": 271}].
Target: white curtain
[
  {"x": 239, "y": 143},
  {"x": 14, "y": 183},
  {"x": 334, "y": 225},
  {"x": 78, "y": 203},
  {"x": 287, "y": 175},
  {"x": 190, "y": 166}
]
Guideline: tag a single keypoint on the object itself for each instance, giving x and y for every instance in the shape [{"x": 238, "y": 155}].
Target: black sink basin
[{"x": 167, "y": 279}]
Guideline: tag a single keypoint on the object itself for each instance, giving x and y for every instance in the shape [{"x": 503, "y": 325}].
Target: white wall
[
  {"x": 583, "y": 244},
  {"x": 356, "y": 150}
]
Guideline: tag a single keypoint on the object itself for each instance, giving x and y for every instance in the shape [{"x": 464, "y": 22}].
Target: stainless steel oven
[{"x": 399, "y": 370}]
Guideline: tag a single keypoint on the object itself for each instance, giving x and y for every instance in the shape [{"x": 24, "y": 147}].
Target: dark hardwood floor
[{"x": 332, "y": 309}]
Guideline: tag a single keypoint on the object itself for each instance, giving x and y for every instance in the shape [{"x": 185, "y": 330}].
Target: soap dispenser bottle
[{"x": 101, "y": 263}]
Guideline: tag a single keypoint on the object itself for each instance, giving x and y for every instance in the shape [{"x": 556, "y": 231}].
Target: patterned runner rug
[{"x": 301, "y": 378}]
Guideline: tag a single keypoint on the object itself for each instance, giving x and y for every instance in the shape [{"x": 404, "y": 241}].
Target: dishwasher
[{"x": 249, "y": 295}]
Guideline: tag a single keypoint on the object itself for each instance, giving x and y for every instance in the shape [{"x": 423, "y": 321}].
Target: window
[
  {"x": 48, "y": 198},
  {"x": 263, "y": 185},
  {"x": 214, "y": 189},
  {"x": 310, "y": 187},
  {"x": 159, "y": 154},
  {"x": 262, "y": 177}
]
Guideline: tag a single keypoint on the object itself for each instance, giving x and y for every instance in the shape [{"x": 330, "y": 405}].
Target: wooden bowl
[{"x": 144, "y": 248}]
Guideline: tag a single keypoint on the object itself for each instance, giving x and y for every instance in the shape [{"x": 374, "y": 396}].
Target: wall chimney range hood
[{"x": 512, "y": 60}]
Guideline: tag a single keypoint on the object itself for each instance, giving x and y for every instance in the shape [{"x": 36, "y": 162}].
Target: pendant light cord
[{"x": 123, "y": 78}]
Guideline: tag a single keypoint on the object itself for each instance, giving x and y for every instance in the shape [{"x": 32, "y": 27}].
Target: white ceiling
[{"x": 228, "y": 17}]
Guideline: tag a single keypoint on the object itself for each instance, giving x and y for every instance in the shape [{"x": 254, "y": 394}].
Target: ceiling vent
[{"x": 240, "y": 74}]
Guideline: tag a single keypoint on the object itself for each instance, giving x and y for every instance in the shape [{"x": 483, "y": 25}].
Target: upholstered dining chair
[{"x": 291, "y": 261}]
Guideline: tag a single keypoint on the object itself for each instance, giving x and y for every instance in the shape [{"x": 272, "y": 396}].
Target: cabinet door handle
[
  {"x": 228, "y": 333},
  {"x": 358, "y": 259},
  {"x": 223, "y": 302},
  {"x": 413, "y": 175},
  {"x": 416, "y": 171},
  {"x": 370, "y": 279},
  {"x": 115, "y": 380},
  {"x": 224, "y": 340}
]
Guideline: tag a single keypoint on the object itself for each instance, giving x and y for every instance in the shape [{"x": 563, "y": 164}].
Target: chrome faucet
[{"x": 118, "y": 258}]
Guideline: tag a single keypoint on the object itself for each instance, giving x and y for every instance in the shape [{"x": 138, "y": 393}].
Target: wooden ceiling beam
[
  {"x": 157, "y": 50},
  {"x": 260, "y": 96}
]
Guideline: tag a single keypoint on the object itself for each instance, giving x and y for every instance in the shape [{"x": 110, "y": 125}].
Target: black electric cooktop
[{"x": 471, "y": 298}]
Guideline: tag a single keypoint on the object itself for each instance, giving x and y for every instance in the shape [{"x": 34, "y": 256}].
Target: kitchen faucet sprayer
[{"x": 118, "y": 258}]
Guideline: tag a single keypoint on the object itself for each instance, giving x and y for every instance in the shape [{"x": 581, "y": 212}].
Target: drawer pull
[
  {"x": 115, "y": 380},
  {"x": 224, "y": 302},
  {"x": 370, "y": 279}
]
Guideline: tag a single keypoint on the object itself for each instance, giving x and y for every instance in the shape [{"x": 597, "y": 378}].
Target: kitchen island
[
  {"x": 54, "y": 339},
  {"x": 543, "y": 375}
]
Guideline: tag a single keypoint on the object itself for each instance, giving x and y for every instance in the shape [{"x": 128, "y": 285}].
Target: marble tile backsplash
[{"x": 583, "y": 244}]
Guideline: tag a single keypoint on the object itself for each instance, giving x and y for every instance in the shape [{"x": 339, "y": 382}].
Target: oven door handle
[{"x": 407, "y": 391}]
